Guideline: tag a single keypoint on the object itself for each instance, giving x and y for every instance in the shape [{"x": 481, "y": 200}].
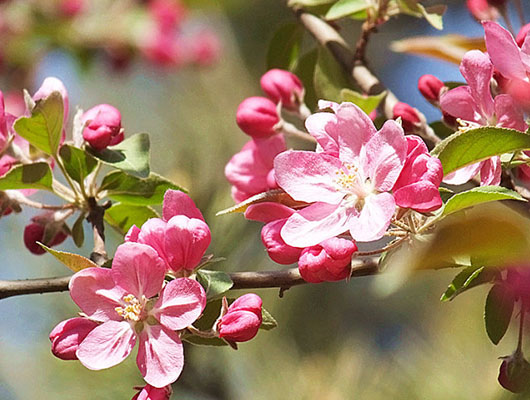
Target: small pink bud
[
  {"x": 328, "y": 261},
  {"x": 49, "y": 85},
  {"x": 205, "y": 48},
  {"x": 284, "y": 86},
  {"x": 409, "y": 116},
  {"x": 149, "y": 392},
  {"x": 71, "y": 8},
  {"x": 430, "y": 87},
  {"x": 514, "y": 373},
  {"x": 521, "y": 36},
  {"x": 257, "y": 116},
  {"x": 278, "y": 250},
  {"x": 67, "y": 336},
  {"x": 34, "y": 233},
  {"x": 167, "y": 13},
  {"x": 102, "y": 126},
  {"x": 482, "y": 10},
  {"x": 242, "y": 320}
]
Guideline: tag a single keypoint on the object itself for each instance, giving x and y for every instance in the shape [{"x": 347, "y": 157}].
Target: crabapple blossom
[
  {"x": 284, "y": 86},
  {"x": 149, "y": 392},
  {"x": 251, "y": 171},
  {"x": 430, "y": 87},
  {"x": 328, "y": 261},
  {"x": 348, "y": 188},
  {"x": 410, "y": 119},
  {"x": 67, "y": 335},
  {"x": 102, "y": 126},
  {"x": 124, "y": 300},
  {"x": 257, "y": 117},
  {"x": 242, "y": 320}
]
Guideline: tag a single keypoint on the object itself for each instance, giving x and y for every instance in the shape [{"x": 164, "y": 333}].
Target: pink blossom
[
  {"x": 251, "y": 170},
  {"x": 475, "y": 104},
  {"x": 162, "y": 48},
  {"x": 149, "y": 392},
  {"x": 242, "y": 320},
  {"x": 328, "y": 261},
  {"x": 284, "y": 86},
  {"x": 180, "y": 238},
  {"x": 257, "y": 117},
  {"x": 418, "y": 183},
  {"x": 410, "y": 119},
  {"x": 123, "y": 299},
  {"x": 102, "y": 126},
  {"x": 71, "y": 8},
  {"x": 430, "y": 87},
  {"x": 168, "y": 14},
  {"x": 521, "y": 36},
  {"x": 349, "y": 191},
  {"x": 66, "y": 336}
]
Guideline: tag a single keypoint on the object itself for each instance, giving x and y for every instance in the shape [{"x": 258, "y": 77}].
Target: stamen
[{"x": 133, "y": 309}]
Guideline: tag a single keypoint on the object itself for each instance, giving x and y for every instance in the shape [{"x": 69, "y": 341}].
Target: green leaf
[
  {"x": 44, "y": 128},
  {"x": 498, "y": 312},
  {"x": 201, "y": 341},
  {"x": 78, "y": 163},
  {"x": 78, "y": 233},
  {"x": 129, "y": 189},
  {"x": 214, "y": 283},
  {"x": 28, "y": 176},
  {"x": 284, "y": 47},
  {"x": 344, "y": 8},
  {"x": 366, "y": 103},
  {"x": 123, "y": 216},
  {"x": 478, "y": 195},
  {"x": 441, "y": 129},
  {"x": 73, "y": 261},
  {"x": 432, "y": 14},
  {"x": 329, "y": 78},
  {"x": 268, "y": 321},
  {"x": 305, "y": 70},
  {"x": 473, "y": 145},
  {"x": 468, "y": 278},
  {"x": 131, "y": 155}
]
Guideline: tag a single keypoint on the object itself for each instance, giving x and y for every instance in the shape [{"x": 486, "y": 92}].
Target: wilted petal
[{"x": 374, "y": 218}]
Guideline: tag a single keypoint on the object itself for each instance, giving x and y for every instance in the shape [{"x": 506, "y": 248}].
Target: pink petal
[
  {"x": 316, "y": 223},
  {"x": 503, "y": 51},
  {"x": 459, "y": 103},
  {"x": 321, "y": 127},
  {"x": 491, "y": 171},
  {"x": 153, "y": 234},
  {"x": 180, "y": 304},
  {"x": 422, "y": 196},
  {"x": 268, "y": 212},
  {"x": 509, "y": 115},
  {"x": 277, "y": 249},
  {"x": 477, "y": 69},
  {"x": 384, "y": 156},
  {"x": 138, "y": 269},
  {"x": 462, "y": 175},
  {"x": 96, "y": 294},
  {"x": 179, "y": 203},
  {"x": 308, "y": 176},
  {"x": 323, "y": 104},
  {"x": 132, "y": 234},
  {"x": 106, "y": 345},
  {"x": 374, "y": 218},
  {"x": 160, "y": 355}
]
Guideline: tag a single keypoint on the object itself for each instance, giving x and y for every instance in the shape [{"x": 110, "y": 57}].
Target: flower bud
[
  {"x": 102, "y": 126},
  {"x": 168, "y": 14},
  {"x": 242, "y": 320},
  {"x": 284, "y": 86},
  {"x": 521, "y": 36},
  {"x": 49, "y": 85},
  {"x": 149, "y": 392},
  {"x": 514, "y": 373},
  {"x": 71, "y": 8},
  {"x": 328, "y": 261},
  {"x": 482, "y": 10},
  {"x": 430, "y": 87},
  {"x": 409, "y": 116},
  {"x": 35, "y": 232},
  {"x": 67, "y": 336},
  {"x": 257, "y": 117},
  {"x": 204, "y": 48}
]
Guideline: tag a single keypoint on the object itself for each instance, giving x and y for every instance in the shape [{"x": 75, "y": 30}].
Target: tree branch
[{"x": 283, "y": 279}]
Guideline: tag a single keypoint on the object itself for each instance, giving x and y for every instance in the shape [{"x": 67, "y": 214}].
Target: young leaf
[
  {"x": 433, "y": 14},
  {"x": 345, "y": 8},
  {"x": 366, "y": 103},
  {"x": 28, "y": 176},
  {"x": 498, "y": 312},
  {"x": 131, "y": 155},
  {"x": 123, "y": 216},
  {"x": 129, "y": 189},
  {"x": 468, "y": 278},
  {"x": 78, "y": 233},
  {"x": 284, "y": 47},
  {"x": 78, "y": 163},
  {"x": 214, "y": 283},
  {"x": 478, "y": 195},
  {"x": 73, "y": 261},
  {"x": 268, "y": 321},
  {"x": 329, "y": 78},
  {"x": 44, "y": 128},
  {"x": 468, "y": 147}
]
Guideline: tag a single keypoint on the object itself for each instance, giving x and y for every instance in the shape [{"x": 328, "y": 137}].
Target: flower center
[
  {"x": 350, "y": 181},
  {"x": 132, "y": 309}
]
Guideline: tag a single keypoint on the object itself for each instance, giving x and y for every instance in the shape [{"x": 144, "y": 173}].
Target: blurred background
[{"x": 334, "y": 341}]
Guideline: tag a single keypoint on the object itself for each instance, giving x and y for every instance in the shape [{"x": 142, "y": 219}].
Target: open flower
[
  {"x": 350, "y": 190},
  {"x": 124, "y": 300}
]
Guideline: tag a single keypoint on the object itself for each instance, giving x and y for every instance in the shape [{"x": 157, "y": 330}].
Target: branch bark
[{"x": 283, "y": 279}]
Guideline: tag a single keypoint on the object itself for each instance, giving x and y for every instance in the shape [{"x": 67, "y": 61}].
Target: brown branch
[
  {"x": 328, "y": 37},
  {"x": 283, "y": 279}
]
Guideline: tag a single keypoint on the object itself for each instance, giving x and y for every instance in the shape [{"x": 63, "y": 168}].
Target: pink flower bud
[
  {"x": 242, "y": 320},
  {"x": 34, "y": 233},
  {"x": 482, "y": 10},
  {"x": 284, "y": 86},
  {"x": 521, "y": 36},
  {"x": 67, "y": 336},
  {"x": 149, "y": 392},
  {"x": 257, "y": 116},
  {"x": 168, "y": 14},
  {"x": 328, "y": 261},
  {"x": 514, "y": 373},
  {"x": 49, "y": 85},
  {"x": 204, "y": 48},
  {"x": 278, "y": 250},
  {"x": 162, "y": 48},
  {"x": 102, "y": 126},
  {"x": 409, "y": 116},
  {"x": 71, "y": 8},
  {"x": 430, "y": 87}
]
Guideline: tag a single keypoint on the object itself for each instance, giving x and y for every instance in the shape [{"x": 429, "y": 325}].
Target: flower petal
[
  {"x": 179, "y": 203},
  {"x": 180, "y": 304},
  {"x": 160, "y": 355},
  {"x": 463, "y": 175},
  {"x": 459, "y": 103},
  {"x": 509, "y": 115},
  {"x": 106, "y": 345},
  {"x": 321, "y": 127},
  {"x": 138, "y": 269},
  {"x": 374, "y": 218},
  {"x": 422, "y": 196},
  {"x": 477, "y": 69},
  {"x": 491, "y": 171},
  {"x": 268, "y": 212},
  {"x": 152, "y": 234}
]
